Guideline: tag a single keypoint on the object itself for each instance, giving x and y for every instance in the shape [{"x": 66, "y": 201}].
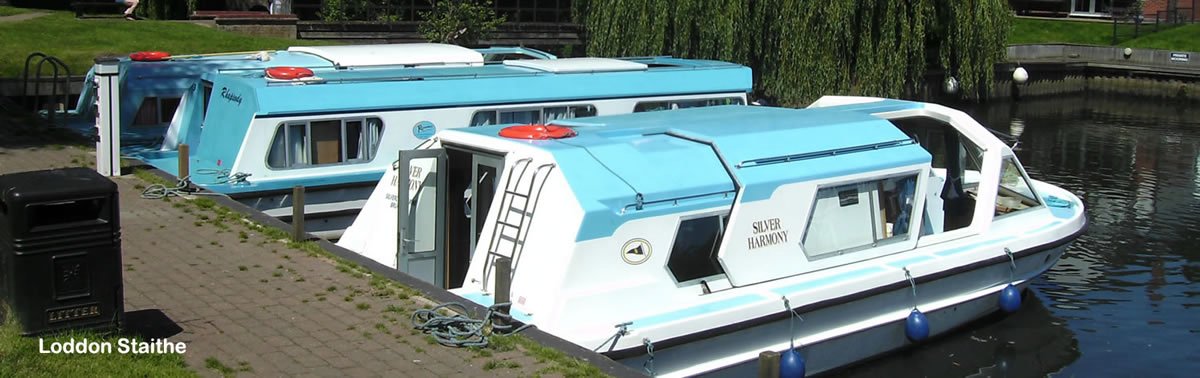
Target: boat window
[
  {"x": 653, "y": 106},
  {"x": 208, "y": 89},
  {"x": 567, "y": 112},
  {"x": 147, "y": 114},
  {"x": 520, "y": 116},
  {"x": 484, "y": 118},
  {"x": 956, "y": 162},
  {"x": 301, "y": 144},
  {"x": 694, "y": 254},
  {"x": 852, "y": 217},
  {"x": 531, "y": 116},
  {"x": 1014, "y": 193},
  {"x": 155, "y": 111}
]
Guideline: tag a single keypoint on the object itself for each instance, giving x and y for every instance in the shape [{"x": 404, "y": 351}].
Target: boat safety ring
[
  {"x": 537, "y": 132},
  {"x": 149, "y": 56},
  {"x": 288, "y": 73}
]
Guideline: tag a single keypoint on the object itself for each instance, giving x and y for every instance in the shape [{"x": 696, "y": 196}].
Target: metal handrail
[{"x": 37, "y": 88}]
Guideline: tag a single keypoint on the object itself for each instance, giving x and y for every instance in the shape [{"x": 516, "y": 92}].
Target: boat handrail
[
  {"x": 737, "y": 184},
  {"x": 825, "y": 153},
  {"x": 353, "y": 80}
]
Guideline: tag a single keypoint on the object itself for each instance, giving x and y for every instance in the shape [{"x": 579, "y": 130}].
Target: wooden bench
[{"x": 82, "y": 7}]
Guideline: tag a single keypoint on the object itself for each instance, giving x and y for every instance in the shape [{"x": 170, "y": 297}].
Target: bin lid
[{"x": 19, "y": 189}]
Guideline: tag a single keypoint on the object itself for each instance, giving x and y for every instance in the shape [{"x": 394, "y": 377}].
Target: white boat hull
[{"x": 846, "y": 330}]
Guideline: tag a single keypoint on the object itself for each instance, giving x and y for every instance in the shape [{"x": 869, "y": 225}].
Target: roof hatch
[
  {"x": 575, "y": 65},
  {"x": 409, "y": 54}
]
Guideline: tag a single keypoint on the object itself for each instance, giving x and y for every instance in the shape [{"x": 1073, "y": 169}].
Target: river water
[{"x": 1125, "y": 299}]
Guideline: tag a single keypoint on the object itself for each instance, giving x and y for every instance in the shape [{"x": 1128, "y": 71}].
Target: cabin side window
[
  {"x": 208, "y": 89},
  {"x": 1015, "y": 193},
  {"x": 950, "y": 199},
  {"x": 852, "y": 217},
  {"x": 694, "y": 254},
  {"x": 155, "y": 111},
  {"x": 312, "y": 143},
  {"x": 653, "y": 106},
  {"x": 531, "y": 116}
]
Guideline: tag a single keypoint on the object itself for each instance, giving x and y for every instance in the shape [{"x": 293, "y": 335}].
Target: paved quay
[{"x": 263, "y": 307}]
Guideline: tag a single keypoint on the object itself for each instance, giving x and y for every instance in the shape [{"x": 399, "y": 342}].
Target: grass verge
[
  {"x": 1177, "y": 38},
  {"x": 78, "y": 42},
  {"x": 10, "y": 11}
]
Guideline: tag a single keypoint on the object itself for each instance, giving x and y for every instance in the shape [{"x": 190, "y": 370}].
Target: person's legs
[{"x": 132, "y": 5}]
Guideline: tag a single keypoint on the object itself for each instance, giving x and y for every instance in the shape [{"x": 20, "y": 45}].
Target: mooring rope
[
  {"x": 462, "y": 331},
  {"x": 224, "y": 176},
  {"x": 182, "y": 187},
  {"x": 622, "y": 330}
]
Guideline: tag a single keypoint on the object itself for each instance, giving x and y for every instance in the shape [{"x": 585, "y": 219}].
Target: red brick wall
[{"x": 1151, "y": 7}]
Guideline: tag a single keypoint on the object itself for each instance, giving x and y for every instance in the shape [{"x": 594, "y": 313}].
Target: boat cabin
[
  {"x": 325, "y": 131},
  {"x": 153, "y": 85}
]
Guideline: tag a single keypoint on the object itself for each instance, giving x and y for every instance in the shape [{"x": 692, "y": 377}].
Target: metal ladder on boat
[{"x": 517, "y": 208}]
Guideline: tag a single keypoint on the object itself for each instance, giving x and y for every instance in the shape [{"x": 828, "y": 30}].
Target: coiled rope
[
  {"x": 462, "y": 331},
  {"x": 224, "y": 176},
  {"x": 182, "y": 187}
]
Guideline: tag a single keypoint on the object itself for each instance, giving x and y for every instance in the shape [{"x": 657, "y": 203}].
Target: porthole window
[{"x": 694, "y": 254}]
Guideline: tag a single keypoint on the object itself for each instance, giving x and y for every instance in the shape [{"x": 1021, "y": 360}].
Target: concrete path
[
  {"x": 22, "y": 16},
  {"x": 259, "y": 306}
]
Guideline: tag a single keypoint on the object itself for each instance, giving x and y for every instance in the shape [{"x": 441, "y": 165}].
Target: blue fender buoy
[
  {"x": 917, "y": 326},
  {"x": 791, "y": 364},
  {"x": 1010, "y": 299}
]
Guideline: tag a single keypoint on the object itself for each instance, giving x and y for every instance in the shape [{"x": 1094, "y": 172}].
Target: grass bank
[
  {"x": 1178, "y": 38},
  {"x": 20, "y": 356},
  {"x": 9, "y": 11},
  {"x": 78, "y": 42}
]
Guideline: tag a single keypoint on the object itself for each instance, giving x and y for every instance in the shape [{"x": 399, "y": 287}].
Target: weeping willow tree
[{"x": 802, "y": 49}]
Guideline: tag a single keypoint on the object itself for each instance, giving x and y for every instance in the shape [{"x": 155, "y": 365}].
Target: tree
[
  {"x": 803, "y": 49},
  {"x": 459, "y": 22}
]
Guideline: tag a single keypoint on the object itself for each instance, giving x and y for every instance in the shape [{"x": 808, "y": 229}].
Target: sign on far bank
[{"x": 1180, "y": 57}]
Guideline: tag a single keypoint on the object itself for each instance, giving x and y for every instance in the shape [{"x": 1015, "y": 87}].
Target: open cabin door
[{"x": 421, "y": 235}]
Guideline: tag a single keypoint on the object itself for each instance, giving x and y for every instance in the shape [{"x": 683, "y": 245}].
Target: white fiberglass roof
[
  {"x": 393, "y": 54},
  {"x": 566, "y": 65}
]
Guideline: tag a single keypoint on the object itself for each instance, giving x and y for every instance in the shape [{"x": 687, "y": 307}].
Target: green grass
[
  {"x": 78, "y": 42},
  {"x": 20, "y": 356},
  {"x": 1183, "y": 38},
  {"x": 1178, "y": 38},
  {"x": 9, "y": 11},
  {"x": 1026, "y": 30}
]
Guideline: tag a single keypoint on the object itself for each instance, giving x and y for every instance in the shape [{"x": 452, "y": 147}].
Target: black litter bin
[{"x": 60, "y": 250}]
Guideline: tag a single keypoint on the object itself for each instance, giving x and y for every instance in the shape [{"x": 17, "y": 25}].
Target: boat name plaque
[
  {"x": 767, "y": 232},
  {"x": 230, "y": 96}
]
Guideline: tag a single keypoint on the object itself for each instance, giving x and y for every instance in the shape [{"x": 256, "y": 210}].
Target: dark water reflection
[{"x": 1123, "y": 301}]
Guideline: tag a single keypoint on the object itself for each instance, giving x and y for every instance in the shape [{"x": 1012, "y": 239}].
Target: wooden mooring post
[
  {"x": 503, "y": 276},
  {"x": 768, "y": 364},
  {"x": 298, "y": 234},
  {"x": 185, "y": 171}
]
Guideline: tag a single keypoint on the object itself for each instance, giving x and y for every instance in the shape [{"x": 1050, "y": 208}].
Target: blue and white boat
[
  {"x": 152, "y": 84},
  {"x": 687, "y": 232},
  {"x": 263, "y": 136}
]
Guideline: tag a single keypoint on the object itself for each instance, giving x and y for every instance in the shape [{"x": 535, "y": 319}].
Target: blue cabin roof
[
  {"x": 660, "y": 156},
  {"x": 427, "y": 87},
  {"x": 238, "y": 98}
]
